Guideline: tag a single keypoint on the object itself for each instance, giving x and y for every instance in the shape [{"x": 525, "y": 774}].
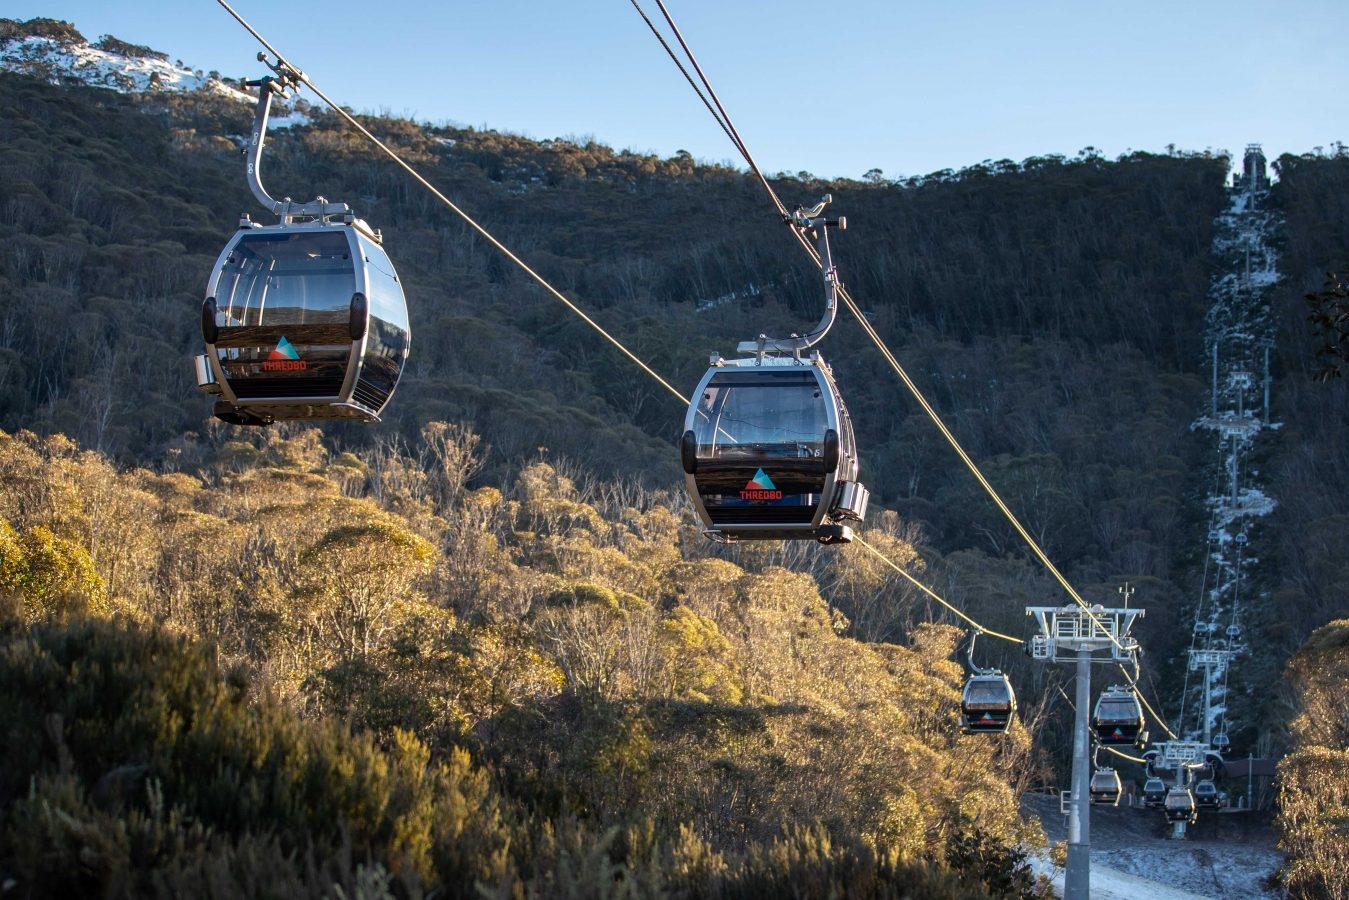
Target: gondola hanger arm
[
  {"x": 803, "y": 221},
  {"x": 284, "y": 78}
]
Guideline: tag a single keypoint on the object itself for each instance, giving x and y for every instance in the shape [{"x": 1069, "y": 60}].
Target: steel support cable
[
  {"x": 723, "y": 119},
  {"x": 459, "y": 212},
  {"x": 926, "y": 590},
  {"x": 726, "y": 129},
  {"x": 725, "y": 116}
]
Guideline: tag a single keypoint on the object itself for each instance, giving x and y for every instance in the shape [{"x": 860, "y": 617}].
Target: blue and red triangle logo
[
  {"x": 760, "y": 482},
  {"x": 284, "y": 350}
]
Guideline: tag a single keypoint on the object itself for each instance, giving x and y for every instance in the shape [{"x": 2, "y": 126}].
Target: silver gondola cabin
[
  {"x": 767, "y": 447},
  {"x": 305, "y": 319},
  {"x": 768, "y": 451}
]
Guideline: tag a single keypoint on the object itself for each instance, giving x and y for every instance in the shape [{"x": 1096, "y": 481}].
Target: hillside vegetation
[
  {"x": 503, "y": 580},
  {"x": 395, "y": 678}
]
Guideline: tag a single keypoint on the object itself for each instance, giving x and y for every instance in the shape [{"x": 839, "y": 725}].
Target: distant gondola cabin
[
  {"x": 987, "y": 704},
  {"x": 1105, "y": 787}
]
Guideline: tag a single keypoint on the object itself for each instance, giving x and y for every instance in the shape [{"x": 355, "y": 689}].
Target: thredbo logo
[
  {"x": 760, "y": 487},
  {"x": 284, "y": 358}
]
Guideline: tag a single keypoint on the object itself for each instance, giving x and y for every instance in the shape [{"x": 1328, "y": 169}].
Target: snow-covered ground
[
  {"x": 1227, "y": 856},
  {"x": 1238, "y": 334},
  {"x": 56, "y": 61}
]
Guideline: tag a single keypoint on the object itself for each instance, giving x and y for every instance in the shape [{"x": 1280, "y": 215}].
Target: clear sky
[{"x": 833, "y": 88}]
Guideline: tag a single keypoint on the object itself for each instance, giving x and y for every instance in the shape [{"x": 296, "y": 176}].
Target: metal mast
[{"x": 1074, "y": 634}]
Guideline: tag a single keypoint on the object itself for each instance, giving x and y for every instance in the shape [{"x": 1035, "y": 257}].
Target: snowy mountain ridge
[{"x": 57, "y": 53}]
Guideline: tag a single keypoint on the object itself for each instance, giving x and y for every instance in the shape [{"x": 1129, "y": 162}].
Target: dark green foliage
[
  {"x": 117, "y": 724},
  {"x": 1003, "y": 871},
  {"x": 133, "y": 768},
  {"x": 1308, "y": 467},
  {"x": 1329, "y": 317}
]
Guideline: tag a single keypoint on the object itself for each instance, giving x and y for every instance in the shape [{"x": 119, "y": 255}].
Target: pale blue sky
[{"x": 834, "y": 88}]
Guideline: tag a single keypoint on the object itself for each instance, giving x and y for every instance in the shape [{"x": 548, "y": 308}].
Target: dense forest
[{"x": 495, "y": 605}]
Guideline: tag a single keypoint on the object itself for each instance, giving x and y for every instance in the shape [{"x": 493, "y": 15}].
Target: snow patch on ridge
[{"x": 66, "y": 61}]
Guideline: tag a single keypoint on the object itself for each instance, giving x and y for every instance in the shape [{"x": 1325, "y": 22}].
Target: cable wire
[
  {"x": 726, "y": 124},
  {"x": 924, "y": 588},
  {"x": 461, "y": 213}
]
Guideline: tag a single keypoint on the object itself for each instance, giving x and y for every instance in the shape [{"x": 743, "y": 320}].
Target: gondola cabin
[
  {"x": 768, "y": 452},
  {"x": 1208, "y": 796},
  {"x": 1118, "y": 718},
  {"x": 987, "y": 704},
  {"x": 1105, "y": 787},
  {"x": 1154, "y": 793},
  {"x": 1179, "y": 805},
  {"x": 303, "y": 320}
]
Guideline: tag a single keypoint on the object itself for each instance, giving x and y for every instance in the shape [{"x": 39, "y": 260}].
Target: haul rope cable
[
  {"x": 725, "y": 121},
  {"x": 301, "y": 77},
  {"x": 304, "y": 79},
  {"x": 922, "y": 587}
]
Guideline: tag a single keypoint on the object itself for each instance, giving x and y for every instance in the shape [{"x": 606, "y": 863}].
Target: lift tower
[{"x": 1077, "y": 634}]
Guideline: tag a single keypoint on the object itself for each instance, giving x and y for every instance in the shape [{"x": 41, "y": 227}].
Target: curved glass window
[
  {"x": 287, "y": 278},
  {"x": 987, "y": 693},
  {"x": 761, "y": 414},
  {"x": 1124, "y": 710}
]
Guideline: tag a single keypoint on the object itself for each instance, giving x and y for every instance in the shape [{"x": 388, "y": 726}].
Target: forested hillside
[{"x": 506, "y": 565}]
